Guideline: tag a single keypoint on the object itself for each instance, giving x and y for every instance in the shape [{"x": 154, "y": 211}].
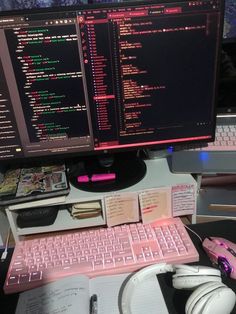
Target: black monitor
[
  {"x": 229, "y": 33},
  {"x": 108, "y": 79}
]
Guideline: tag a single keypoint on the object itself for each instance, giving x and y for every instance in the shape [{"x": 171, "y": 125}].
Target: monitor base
[{"x": 128, "y": 169}]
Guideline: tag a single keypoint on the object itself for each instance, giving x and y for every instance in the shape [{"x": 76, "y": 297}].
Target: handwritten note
[
  {"x": 121, "y": 208},
  {"x": 183, "y": 199},
  {"x": 61, "y": 297},
  {"x": 155, "y": 204}
]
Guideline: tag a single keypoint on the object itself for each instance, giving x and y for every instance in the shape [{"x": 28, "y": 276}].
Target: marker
[
  {"x": 83, "y": 179},
  {"x": 96, "y": 177},
  {"x": 94, "y": 304},
  {"x": 103, "y": 177}
]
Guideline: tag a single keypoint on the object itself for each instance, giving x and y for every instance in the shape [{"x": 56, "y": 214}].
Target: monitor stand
[{"x": 127, "y": 167}]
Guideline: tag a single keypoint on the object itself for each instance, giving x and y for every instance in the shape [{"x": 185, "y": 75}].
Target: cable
[
  {"x": 194, "y": 233},
  {"x": 5, "y": 252}
]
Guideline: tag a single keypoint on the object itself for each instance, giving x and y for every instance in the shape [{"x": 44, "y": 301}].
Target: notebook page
[
  {"x": 147, "y": 296},
  {"x": 64, "y": 296}
]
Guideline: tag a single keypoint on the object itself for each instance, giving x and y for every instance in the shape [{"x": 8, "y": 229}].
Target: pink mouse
[{"x": 222, "y": 252}]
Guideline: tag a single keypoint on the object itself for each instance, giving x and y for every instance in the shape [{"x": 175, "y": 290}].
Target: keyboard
[
  {"x": 215, "y": 157},
  {"x": 100, "y": 251},
  {"x": 225, "y": 140}
]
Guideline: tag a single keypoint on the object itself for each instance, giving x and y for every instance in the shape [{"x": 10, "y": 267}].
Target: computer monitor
[
  {"x": 229, "y": 33},
  {"x": 108, "y": 79}
]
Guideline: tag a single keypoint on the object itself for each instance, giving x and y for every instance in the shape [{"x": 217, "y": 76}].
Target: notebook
[{"x": 71, "y": 295}]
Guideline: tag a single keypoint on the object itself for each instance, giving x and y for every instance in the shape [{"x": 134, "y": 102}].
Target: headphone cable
[{"x": 194, "y": 233}]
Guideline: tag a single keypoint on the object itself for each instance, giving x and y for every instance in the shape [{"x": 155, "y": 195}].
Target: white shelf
[
  {"x": 158, "y": 174},
  {"x": 216, "y": 203}
]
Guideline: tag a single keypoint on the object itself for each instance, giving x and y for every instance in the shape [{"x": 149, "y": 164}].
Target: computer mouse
[{"x": 222, "y": 253}]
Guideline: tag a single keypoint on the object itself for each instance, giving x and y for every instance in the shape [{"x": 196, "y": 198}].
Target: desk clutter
[
  {"x": 210, "y": 290},
  {"x": 33, "y": 183},
  {"x": 38, "y": 216},
  {"x": 147, "y": 205},
  {"x": 209, "y": 295},
  {"x": 137, "y": 230},
  {"x": 85, "y": 210},
  {"x": 113, "y": 209},
  {"x": 73, "y": 293},
  {"x": 127, "y": 293}
]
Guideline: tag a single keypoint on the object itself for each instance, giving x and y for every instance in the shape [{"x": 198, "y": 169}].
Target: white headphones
[{"x": 210, "y": 294}]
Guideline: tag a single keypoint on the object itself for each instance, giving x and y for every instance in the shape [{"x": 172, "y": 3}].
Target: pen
[{"x": 94, "y": 304}]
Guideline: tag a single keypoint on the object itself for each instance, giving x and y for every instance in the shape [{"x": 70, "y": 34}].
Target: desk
[{"x": 175, "y": 299}]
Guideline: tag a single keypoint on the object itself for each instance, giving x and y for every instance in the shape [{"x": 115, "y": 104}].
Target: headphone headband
[{"x": 139, "y": 276}]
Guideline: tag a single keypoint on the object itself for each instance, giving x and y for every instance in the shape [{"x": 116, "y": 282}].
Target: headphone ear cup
[
  {"x": 196, "y": 270},
  {"x": 191, "y": 282},
  {"x": 211, "y": 297},
  {"x": 189, "y": 277},
  {"x": 201, "y": 294}
]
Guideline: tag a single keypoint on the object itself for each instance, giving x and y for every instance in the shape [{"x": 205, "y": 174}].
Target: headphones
[{"x": 210, "y": 295}]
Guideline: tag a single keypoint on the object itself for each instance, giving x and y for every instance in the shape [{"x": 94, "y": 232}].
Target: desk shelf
[
  {"x": 64, "y": 221},
  {"x": 158, "y": 174}
]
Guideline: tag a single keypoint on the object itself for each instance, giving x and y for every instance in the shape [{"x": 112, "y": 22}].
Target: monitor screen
[
  {"x": 94, "y": 79},
  {"x": 230, "y": 21},
  {"x": 110, "y": 78}
]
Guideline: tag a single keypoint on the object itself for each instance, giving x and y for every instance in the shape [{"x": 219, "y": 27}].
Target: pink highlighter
[{"x": 96, "y": 177}]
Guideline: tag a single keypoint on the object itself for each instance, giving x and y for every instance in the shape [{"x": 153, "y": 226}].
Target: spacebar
[{"x": 67, "y": 270}]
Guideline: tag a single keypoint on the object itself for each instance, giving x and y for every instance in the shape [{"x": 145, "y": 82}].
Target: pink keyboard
[{"x": 45, "y": 258}]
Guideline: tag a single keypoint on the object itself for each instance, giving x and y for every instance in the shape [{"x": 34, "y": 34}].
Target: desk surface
[{"x": 175, "y": 299}]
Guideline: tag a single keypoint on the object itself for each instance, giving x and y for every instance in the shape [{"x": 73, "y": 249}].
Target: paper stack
[{"x": 86, "y": 210}]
